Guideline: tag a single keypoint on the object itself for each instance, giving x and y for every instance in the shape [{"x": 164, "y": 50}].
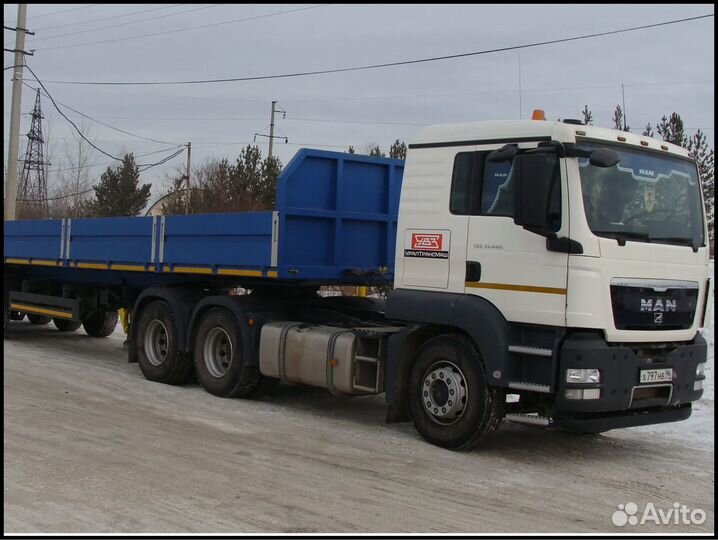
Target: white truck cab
[{"x": 574, "y": 257}]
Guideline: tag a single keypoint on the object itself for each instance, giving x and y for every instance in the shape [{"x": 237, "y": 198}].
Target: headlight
[
  {"x": 583, "y": 376},
  {"x": 701, "y": 370}
]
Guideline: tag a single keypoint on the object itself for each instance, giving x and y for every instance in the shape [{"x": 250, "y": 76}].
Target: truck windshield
[{"x": 646, "y": 197}]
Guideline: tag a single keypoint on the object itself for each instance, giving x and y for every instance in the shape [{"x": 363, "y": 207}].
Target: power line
[
  {"x": 62, "y": 196},
  {"x": 140, "y": 168},
  {"x": 383, "y": 65},
  {"x": 63, "y": 11},
  {"x": 124, "y": 24},
  {"x": 107, "y": 18},
  {"x": 97, "y": 20},
  {"x": 143, "y": 168},
  {"x": 154, "y": 34},
  {"x": 104, "y": 163},
  {"x": 105, "y": 124},
  {"x": 66, "y": 118}
]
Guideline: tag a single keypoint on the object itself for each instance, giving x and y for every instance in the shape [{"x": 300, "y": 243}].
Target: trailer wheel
[
  {"x": 450, "y": 402},
  {"x": 63, "y": 325},
  {"x": 100, "y": 324},
  {"x": 38, "y": 319},
  {"x": 17, "y": 316},
  {"x": 157, "y": 348},
  {"x": 219, "y": 357}
]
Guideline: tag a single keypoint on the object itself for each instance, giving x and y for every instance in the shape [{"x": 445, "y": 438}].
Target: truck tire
[
  {"x": 63, "y": 325},
  {"x": 17, "y": 316},
  {"x": 100, "y": 324},
  {"x": 450, "y": 402},
  {"x": 157, "y": 348},
  {"x": 219, "y": 356},
  {"x": 38, "y": 319}
]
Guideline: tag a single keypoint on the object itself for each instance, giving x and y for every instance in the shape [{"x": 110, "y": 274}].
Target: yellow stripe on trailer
[
  {"x": 190, "y": 270},
  {"x": 128, "y": 267},
  {"x": 93, "y": 266},
  {"x": 44, "y": 263},
  {"x": 236, "y": 272},
  {"x": 41, "y": 311},
  {"x": 17, "y": 261}
]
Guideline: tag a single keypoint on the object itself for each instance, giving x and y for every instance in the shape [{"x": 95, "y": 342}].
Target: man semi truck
[{"x": 551, "y": 273}]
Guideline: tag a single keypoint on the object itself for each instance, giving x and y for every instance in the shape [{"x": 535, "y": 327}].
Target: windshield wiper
[
  {"x": 682, "y": 240},
  {"x": 622, "y": 236}
]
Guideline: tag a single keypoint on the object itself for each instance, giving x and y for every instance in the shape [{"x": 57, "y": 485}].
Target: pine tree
[
  {"x": 271, "y": 168},
  {"x": 671, "y": 129},
  {"x": 372, "y": 149},
  {"x": 619, "y": 119},
  {"x": 119, "y": 192},
  {"x": 648, "y": 132},
  {"x": 351, "y": 150},
  {"x": 587, "y": 115},
  {"x": 398, "y": 150}
]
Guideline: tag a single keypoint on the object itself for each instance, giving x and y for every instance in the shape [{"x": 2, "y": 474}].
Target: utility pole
[
  {"x": 520, "y": 104},
  {"x": 189, "y": 167},
  {"x": 623, "y": 97},
  {"x": 11, "y": 183},
  {"x": 271, "y": 129}
]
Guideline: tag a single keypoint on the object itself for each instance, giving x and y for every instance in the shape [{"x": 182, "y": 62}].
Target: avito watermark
[{"x": 678, "y": 514}]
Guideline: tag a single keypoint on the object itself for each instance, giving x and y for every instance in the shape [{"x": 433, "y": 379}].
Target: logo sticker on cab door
[{"x": 429, "y": 245}]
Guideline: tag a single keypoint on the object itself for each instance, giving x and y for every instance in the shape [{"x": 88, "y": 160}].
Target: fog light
[
  {"x": 583, "y": 376},
  {"x": 698, "y": 385},
  {"x": 701, "y": 370},
  {"x": 582, "y": 393}
]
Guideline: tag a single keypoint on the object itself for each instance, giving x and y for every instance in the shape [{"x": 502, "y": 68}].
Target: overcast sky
[{"x": 665, "y": 69}]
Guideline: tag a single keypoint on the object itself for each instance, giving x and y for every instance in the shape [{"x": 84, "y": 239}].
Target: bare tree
[{"x": 72, "y": 191}]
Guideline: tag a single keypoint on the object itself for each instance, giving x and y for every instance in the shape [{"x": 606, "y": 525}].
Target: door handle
[{"x": 473, "y": 271}]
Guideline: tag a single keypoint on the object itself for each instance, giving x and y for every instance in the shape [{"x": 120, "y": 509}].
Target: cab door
[{"x": 508, "y": 265}]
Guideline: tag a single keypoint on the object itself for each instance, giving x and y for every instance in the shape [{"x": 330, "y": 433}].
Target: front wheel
[{"x": 450, "y": 402}]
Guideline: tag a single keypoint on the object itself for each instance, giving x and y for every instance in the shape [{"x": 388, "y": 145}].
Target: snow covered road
[{"x": 91, "y": 446}]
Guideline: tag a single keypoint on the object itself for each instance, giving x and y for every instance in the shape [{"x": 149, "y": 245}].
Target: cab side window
[{"x": 480, "y": 187}]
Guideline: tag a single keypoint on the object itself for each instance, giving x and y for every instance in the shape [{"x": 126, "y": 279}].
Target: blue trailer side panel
[
  {"x": 219, "y": 240},
  {"x": 110, "y": 240},
  {"x": 39, "y": 239},
  {"x": 338, "y": 215}
]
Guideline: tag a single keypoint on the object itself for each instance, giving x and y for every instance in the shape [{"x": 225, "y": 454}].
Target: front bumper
[
  {"x": 623, "y": 400},
  {"x": 597, "y": 422}
]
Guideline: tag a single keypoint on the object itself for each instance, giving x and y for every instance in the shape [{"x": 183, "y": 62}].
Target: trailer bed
[{"x": 334, "y": 222}]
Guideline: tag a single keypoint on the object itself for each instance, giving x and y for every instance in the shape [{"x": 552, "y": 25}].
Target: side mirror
[
  {"x": 534, "y": 174},
  {"x": 604, "y": 157},
  {"x": 505, "y": 153}
]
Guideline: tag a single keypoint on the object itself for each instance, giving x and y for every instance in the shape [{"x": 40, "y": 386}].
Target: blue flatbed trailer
[{"x": 335, "y": 222}]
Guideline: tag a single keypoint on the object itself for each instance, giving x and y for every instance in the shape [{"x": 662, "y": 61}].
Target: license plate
[{"x": 657, "y": 375}]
